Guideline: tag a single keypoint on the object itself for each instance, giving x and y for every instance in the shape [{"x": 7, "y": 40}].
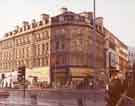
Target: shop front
[
  {"x": 71, "y": 76},
  {"x": 60, "y": 77},
  {"x": 81, "y": 77}
]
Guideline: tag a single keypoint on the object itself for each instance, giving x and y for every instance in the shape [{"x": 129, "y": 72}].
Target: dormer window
[
  {"x": 40, "y": 23},
  {"x": 28, "y": 27},
  {"x": 24, "y": 28},
  {"x": 20, "y": 30},
  {"x": 11, "y": 33},
  {"x": 34, "y": 24}
]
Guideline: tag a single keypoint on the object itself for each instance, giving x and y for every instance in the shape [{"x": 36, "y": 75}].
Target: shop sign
[{"x": 81, "y": 72}]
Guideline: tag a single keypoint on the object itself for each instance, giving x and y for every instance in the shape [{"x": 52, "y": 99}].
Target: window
[
  {"x": 43, "y": 48},
  {"x": 47, "y": 46},
  {"x": 57, "y": 45},
  {"x": 40, "y": 62},
  {"x": 38, "y": 36},
  {"x": 45, "y": 35},
  {"x": 60, "y": 44}
]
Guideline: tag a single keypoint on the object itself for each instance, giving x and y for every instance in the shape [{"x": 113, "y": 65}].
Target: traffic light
[{"x": 21, "y": 73}]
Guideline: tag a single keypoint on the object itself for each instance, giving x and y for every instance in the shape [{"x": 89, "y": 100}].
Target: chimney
[
  {"x": 10, "y": 33},
  {"x": 6, "y": 35},
  {"x": 63, "y": 10},
  {"x": 25, "y": 23},
  {"x": 44, "y": 16},
  {"x": 99, "y": 21},
  {"x": 17, "y": 28},
  {"x": 88, "y": 16},
  {"x": 33, "y": 23}
]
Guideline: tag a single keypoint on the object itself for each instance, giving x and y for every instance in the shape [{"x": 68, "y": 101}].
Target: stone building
[
  {"x": 64, "y": 43},
  {"x": 116, "y": 54}
]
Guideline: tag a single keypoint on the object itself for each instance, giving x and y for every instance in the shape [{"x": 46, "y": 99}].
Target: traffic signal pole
[{"x": 22, "y": 77}]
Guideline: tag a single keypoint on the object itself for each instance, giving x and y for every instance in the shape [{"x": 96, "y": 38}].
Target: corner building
[{"x": 62, "y": 45}]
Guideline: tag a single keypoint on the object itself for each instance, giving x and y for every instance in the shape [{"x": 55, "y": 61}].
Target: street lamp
[{"x": 94, "y": 33}]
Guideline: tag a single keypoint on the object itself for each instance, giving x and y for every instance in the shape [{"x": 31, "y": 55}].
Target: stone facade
[
  {"x": 64, "y": 43},
  {"x": 116, "y": 54}
]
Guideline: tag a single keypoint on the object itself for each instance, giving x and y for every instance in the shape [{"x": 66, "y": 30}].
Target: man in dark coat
[{"x": 115, "y": 89}]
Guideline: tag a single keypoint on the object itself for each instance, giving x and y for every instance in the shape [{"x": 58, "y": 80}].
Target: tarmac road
[{"x": 54, "y": 97}]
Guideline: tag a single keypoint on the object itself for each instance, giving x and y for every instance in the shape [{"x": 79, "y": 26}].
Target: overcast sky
[{"x": 119, "y": 15}]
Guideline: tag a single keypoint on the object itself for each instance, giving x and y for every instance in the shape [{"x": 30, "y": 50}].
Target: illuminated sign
[{"x": 81, "y": 72}]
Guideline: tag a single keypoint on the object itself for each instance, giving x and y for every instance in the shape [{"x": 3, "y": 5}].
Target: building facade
[
  {"x": 116, "y": 55},
  {"x": 64, "y": 43}
]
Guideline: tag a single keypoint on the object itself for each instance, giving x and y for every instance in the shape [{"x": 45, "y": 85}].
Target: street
[{"x": 54, "y": 98}]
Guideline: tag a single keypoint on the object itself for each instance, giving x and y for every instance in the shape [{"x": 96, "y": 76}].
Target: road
[{"x": 55, "y": 97}]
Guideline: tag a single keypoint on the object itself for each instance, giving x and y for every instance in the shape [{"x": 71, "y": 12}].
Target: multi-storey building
[
  {"x": 116, "y": 55},
  {"x": 64, "y": 45}
]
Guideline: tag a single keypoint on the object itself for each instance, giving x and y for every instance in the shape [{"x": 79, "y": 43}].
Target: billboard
[{"x": 42, "y": 73}]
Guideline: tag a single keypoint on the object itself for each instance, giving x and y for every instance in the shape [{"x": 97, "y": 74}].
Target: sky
[{"x": 119, "y": 15}]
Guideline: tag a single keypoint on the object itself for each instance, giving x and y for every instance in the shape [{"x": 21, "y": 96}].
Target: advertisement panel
[{"x": 42, "y": 73}]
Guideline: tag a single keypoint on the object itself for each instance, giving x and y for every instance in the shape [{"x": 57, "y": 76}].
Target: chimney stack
[
  {"x": 88, "y": 16},
  {"x": 99, "y": 21},
  {"x": 44, "y": 16},
  {"x": 25, "y": 23},
  {"x": 63, "y": 10}
]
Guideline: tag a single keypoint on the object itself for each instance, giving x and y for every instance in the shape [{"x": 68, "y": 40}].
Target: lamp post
[{"x": 94, "y": 36}]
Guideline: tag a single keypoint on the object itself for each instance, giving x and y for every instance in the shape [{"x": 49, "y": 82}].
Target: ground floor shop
[
  {"x": 59, "y": 77},
  {"x": 74, "y": 76}
]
